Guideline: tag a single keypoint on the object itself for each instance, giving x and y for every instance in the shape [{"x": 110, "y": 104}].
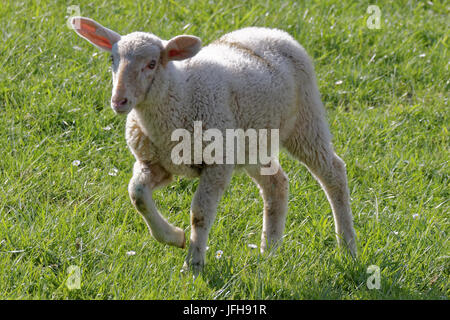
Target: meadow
[{"x": 65, "y": 166}]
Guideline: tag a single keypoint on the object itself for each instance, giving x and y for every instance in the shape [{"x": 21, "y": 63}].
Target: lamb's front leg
[
  {"x": 146, "y": 178},
  {"x": 213, "y": 181}
]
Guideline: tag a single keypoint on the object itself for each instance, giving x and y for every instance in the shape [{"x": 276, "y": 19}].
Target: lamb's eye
[
  {"x": 111, "y": 58},
  {"x": 152, "y": 64}
]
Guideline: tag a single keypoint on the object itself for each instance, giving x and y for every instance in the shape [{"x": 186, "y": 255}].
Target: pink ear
[
  {"x": 89, "y": 31},
  {"x": 174, "y": 53},
  {"x": 182, "y": 47},
  {"x": 95, "y": 33}
]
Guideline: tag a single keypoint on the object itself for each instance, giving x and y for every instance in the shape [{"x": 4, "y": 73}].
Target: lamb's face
[
  {"x": 136, "y": 59},
  {"x": 135, "y": 63}
]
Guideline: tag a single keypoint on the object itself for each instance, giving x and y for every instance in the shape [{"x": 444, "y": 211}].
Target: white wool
[{"x": 251, "y": 78}]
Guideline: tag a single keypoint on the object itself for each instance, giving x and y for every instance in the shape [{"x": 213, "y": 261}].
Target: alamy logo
[
  {"x": 73, "y": 11},
  {"x": 373, "y": 282},
  {"x": 74, "y": 279},
  {"x": 224, "y": 150},
  {"x": 373, "y": 22}
]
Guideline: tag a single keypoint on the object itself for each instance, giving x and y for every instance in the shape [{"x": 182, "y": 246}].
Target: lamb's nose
[{"x": 120, "y": 102}]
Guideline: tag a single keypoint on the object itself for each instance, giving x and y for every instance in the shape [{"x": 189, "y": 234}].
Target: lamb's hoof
[
  {"x": 349, "y": 247},
  {"x": 270, "y": 248},
  {"x": 195, "y": 268}
]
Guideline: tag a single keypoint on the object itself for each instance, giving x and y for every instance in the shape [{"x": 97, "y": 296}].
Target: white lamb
[{"x": 251, "y": 78}]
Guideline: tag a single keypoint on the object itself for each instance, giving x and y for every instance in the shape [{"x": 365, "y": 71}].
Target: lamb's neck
[{"x": 159, "y": 114}]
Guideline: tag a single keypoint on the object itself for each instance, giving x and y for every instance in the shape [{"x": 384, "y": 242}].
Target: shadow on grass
[{"x": 348, "y": 280}]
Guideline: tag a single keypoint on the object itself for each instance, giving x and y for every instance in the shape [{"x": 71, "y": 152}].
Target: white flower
[
  {"x": 76, "y": 163},
  {"x": 113, "y": 172},
  {"x": 219, "y": 254},
  {"x": 107, "y": 128},
  {"x": 338, "y": 82},
  {"x": 252, "y": 246},
  {"x": 415, "y": 216},
  {"x": 131, "y": 253}
]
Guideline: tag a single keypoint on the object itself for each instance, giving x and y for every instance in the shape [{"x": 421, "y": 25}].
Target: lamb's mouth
[{"x": 122, "y": 109}]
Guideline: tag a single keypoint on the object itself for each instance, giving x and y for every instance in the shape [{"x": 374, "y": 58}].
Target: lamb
[{"x": 251, "y": 78}]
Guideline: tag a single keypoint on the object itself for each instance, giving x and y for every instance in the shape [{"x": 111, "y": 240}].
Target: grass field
[{"x": 65, "y": 167}]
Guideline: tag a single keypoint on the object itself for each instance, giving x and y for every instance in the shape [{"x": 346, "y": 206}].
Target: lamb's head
[{"x": 137, "y": 59}]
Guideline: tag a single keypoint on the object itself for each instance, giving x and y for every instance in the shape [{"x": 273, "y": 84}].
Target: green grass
[{"x": 386, "y": 93}]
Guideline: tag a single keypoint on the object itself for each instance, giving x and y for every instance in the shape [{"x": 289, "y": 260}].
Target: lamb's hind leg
[
  {"x": 316, "y": 152},
  {"x": 274, "y": 190}
]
